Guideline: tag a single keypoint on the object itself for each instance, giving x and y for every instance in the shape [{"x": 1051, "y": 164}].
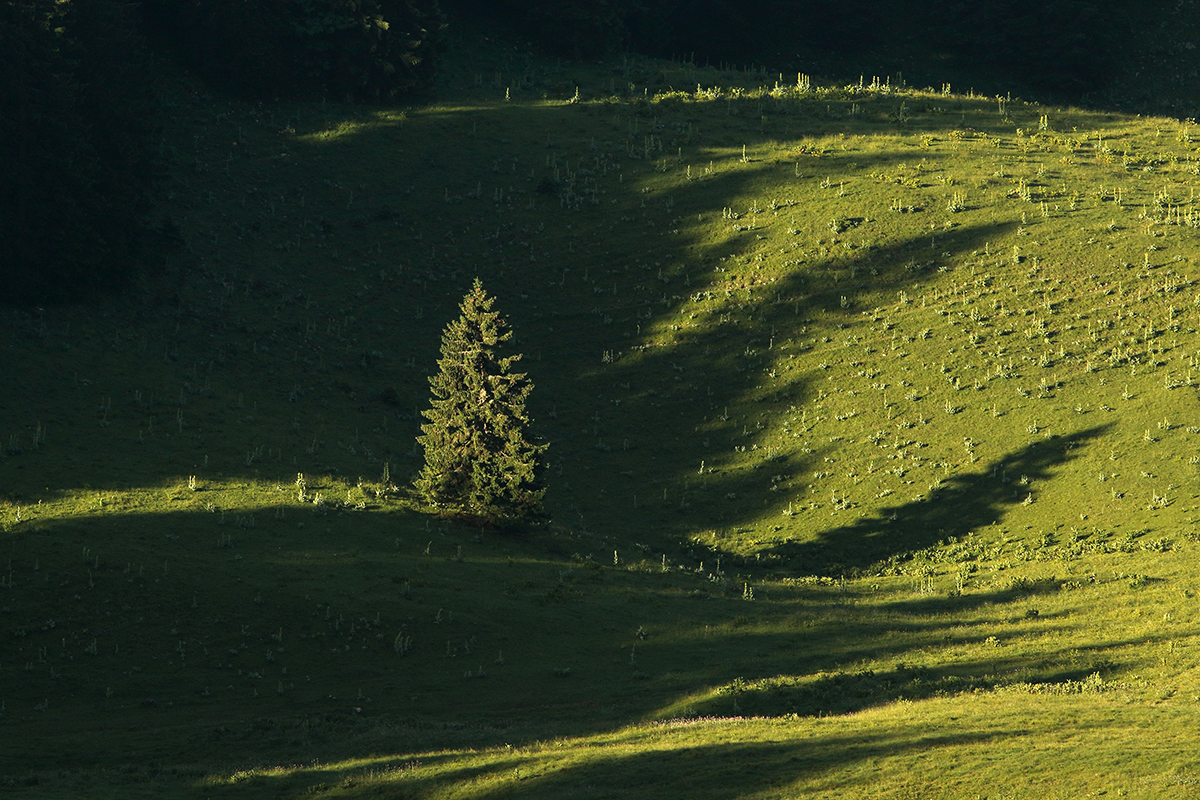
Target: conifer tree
[{"x": 479, "y": 459}]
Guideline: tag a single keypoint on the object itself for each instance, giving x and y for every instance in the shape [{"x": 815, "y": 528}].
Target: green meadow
[{"x": 874, "y": 446}]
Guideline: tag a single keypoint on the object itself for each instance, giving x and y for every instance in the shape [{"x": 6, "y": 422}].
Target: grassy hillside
[{"x": 872, "y": 416}]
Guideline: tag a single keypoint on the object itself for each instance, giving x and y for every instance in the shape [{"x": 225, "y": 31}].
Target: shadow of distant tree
[
  {"x": 644, "y": 763},
  {"x": 835, "y": 693},
  {"x": 961, "y": 503},
  {"x": 668, "y": 393}
]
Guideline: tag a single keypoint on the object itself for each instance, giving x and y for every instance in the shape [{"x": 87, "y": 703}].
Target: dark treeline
[
  {"x": 79, "y": 105},
  {"x": 77, "y": 144},
  {"x": 1063, "y": 49},
  {"x": 344, "y": 49}
]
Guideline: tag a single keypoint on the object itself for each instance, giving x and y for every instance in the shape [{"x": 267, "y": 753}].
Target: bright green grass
[{"x": 873, "y": 430}]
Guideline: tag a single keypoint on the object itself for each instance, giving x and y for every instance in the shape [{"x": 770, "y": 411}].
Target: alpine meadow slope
[{"x": 873, "y": 465}]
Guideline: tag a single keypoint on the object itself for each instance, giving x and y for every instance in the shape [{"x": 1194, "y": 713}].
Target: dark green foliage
[
  {"x": 479, "y": 460},
  {"x": 1062, "y": 46},
  {"x": 573, "y": 28},
  {"x": 77, "y": 140},
  {"x": 347, "y": 49},
  {"x": 579, "y": 28},
  {"x": 1065, "y": 47}
]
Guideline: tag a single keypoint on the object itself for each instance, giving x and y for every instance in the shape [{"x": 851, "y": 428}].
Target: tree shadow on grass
[
  {"x": 840, "y": 692},
  {"x": 240, "y": 601},
  {"x": 960, "y": 504},
  {"x": 672, "y": 432},
  {"x": 817, "y": 654},
  {"x": 720, "y": 758}
]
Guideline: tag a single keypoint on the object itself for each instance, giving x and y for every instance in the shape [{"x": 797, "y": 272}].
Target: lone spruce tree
[{"x": 479, "y": 460}]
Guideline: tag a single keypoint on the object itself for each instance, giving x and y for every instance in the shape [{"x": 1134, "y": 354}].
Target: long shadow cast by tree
[
  {"x": 647, "y": 764},
  {"x": 674, "y": 399},
  {"x": 848, "y": 692},
  {"x": 962, "y": 503},
  {"x": 792, "y": 654},
  {"x": 825, "y": 654}
]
